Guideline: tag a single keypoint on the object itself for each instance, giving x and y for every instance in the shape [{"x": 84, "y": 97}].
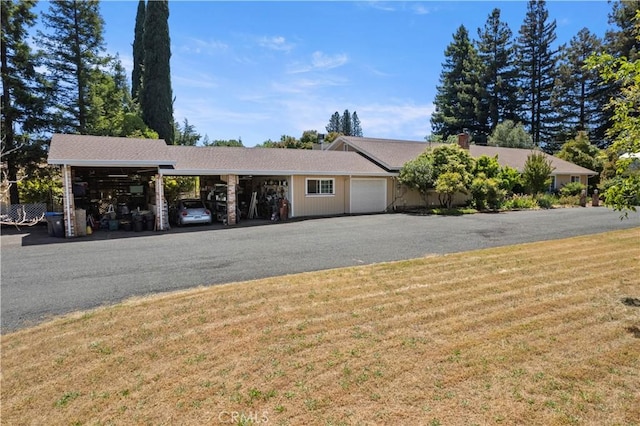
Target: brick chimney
[{"x": 463, "y": 140}]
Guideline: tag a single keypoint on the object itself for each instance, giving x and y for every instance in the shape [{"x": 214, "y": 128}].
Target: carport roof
[
  {"x": 391, "y": 154},
  {"x": 193, "y": 160},
  {"x": 105, "y": 151}
]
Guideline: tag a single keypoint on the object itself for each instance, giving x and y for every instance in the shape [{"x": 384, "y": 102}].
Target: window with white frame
[
  {"x": 552, "y": 186},
  {"x": 320, "y": 187},
  {"x": 575, "y": 179}
]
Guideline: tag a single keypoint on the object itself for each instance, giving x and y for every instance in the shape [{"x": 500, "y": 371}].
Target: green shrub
[
  {"x": 569, "y": 200},
  {"x": 572, "y": 188},
  {"x": 520, "y": 202},
  {"x": 546, "y": 201},
  {"x": 486, "y": 193}
]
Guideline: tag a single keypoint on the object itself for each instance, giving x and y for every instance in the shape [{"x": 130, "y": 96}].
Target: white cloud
[
  {"x": 200, "y": 46},
  {"x": 324, "y": 61},
  {"x": 278, "y": 43},
  {"x": 404, "y": 120},
  {"x": 319, "y": 61}
]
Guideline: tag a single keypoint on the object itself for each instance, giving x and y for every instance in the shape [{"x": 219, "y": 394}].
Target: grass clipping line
[{"x": 541, "y": 333}]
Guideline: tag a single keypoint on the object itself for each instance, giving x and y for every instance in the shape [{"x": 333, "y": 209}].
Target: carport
[{"x": 111, "y": 176}]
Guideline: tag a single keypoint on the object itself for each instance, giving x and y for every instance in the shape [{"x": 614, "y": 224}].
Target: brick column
[
  {"x": 161, "y": 214},
  {"x": 232, "y": 181},
  {"x": 68, "y": 202}
]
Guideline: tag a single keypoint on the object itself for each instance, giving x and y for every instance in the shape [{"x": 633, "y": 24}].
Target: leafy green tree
[
  {"x": 536, "y": 175},
  {"x": 309, "y": 138},
  {"x": 453, "y": 172},
  {"x": 138, "y": 50},
  {"x": 109, "y": 100},
  {"x": 457, "y": 97},
  {"x": 222, "y": 142},
  {"x": 419, "y": 174},
  {"x": 488, "y": 166},
  {"x": 622, "y": 191},
  {"x": 156, "y": 98},
  {"x": 510, "y": 135},
  {"x": 134, "y": 127},
  {"x": 537, "y": 60},
  {"x": 579, "y": 96},
  {"x": 288, "y": 142},
  {"x": 186, "y": 135},
  {"x": 580, "y": 151},
  {"x": 498, "y": 76},
  {"x": 24, "y": 93},
  {"x": 510, "y": 180}
]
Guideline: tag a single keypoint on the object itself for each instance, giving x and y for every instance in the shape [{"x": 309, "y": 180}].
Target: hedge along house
[
  {"x": 391, "y": 155},
  {"x": 101, "y": 173}
]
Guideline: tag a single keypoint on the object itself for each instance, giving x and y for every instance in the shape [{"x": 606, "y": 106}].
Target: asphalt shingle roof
[
  {"x": 79, "y": 150},
  {"x": 266, "y": 161},
  {"x": 82, "y": 150},
  {"x": 392, "y": 154}
]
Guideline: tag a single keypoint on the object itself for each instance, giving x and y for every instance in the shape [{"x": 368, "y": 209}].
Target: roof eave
[
  {"x": 109, "y": 163},
  {"x": 205, "y": 172}
]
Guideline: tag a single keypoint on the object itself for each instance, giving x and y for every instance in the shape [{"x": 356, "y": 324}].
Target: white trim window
[
  {"x": 552, "y": 185},
  {"x": 320, "y": 187},
  {"x": 575, "y": 179}
]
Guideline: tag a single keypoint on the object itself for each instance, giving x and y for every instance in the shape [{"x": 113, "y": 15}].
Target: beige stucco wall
[
  {"x": 407, "y": 198},
  {"x": 318, "y": 205},
  {"x": 562, "y": 180}
]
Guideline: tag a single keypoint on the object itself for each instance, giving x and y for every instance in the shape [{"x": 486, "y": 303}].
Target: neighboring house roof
[
  {"x": 83, "y": 150},
  {"x": 102, "y": 151},
  {"x": 193, "y": 160},
  {"x": 392, "y": 154}
]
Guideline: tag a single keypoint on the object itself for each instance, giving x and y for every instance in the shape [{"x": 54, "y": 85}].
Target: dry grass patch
[{"x": 542, "y": 333}]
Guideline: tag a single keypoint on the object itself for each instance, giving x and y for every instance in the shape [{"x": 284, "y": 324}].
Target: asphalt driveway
[{"x": 44, "y": 276}]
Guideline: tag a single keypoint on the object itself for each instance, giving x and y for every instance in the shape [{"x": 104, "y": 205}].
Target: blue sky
[{"x": 259, "y": 70}]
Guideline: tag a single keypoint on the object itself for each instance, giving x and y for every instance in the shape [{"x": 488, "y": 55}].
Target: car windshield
[{"x": 192, "y": 205}]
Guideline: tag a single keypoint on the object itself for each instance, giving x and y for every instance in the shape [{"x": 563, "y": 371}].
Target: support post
[
  {"x": 68, "y": 202},
  {"x": 232, "y": 181}
]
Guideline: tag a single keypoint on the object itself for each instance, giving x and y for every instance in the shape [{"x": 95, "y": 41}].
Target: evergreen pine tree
[
  {"x": 345, "y": 123},
  {"x": 578, "y": 93},
  {"x": 334, "y": 123},
  {"x": 23, "y": 92},
  {"x": 138, "y": 50},
  {"x": 498, "y": 79},
  {"x": 457, "y": 97},
  {"x": 157, "y": 97},
  {"x": 537, "y": 72},
  {"x": 356, "y": 129},
  {"x": 73, "y": 50}
]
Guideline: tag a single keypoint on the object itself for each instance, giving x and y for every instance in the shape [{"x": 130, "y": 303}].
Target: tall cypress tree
[
  {"x": 537, "y": 72},
  {"x": 157, "y": 96},
  {"x": 458, "y": 94},
  {"x": 73, "y": 50},
  {"x": 23, "y": 91},
  {"x": 498, "y": 78},
  {"x": 138, "y": 50}
]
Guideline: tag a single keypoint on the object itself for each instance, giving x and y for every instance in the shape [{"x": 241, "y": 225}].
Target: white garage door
[{"x": 368, "y": 195}]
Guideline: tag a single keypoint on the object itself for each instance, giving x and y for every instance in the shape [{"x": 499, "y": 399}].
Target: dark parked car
[{"x": 191, "y": 211}]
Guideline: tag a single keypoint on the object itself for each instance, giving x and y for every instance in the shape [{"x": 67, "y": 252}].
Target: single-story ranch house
[{"x": 352, "y": 175}]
